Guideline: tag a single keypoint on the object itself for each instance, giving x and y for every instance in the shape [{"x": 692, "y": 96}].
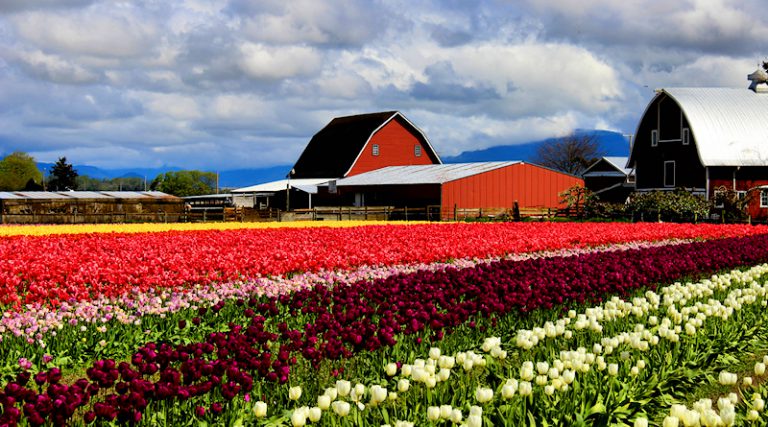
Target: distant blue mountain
[
  {"x": 610, "y": 143},
  {"x": 227, "y": 179}
]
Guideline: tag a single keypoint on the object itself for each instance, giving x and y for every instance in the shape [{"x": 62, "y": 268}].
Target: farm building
[
  {"x": 610, "y": 179},
  {"x": 345, "y": 147},
  {"x": 356, "y": 144},
  {"x": 493, "y": 187},
  {"x": 707, "y": 140},
  {"x": 74, "y": 207}
]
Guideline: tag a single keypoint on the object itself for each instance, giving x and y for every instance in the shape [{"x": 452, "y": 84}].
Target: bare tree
[{"x": 571, "y": 154}]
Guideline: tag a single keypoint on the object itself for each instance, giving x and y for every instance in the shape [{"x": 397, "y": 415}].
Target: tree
[
  {"x": 571, "y": 154},
  {"x": 16, "y": 170},
  {"x": 63, "y": 176},
  {"x": 185, "y": 183}
]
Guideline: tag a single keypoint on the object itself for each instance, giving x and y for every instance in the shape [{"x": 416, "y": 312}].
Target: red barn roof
[{"x": 334, "y": 150}]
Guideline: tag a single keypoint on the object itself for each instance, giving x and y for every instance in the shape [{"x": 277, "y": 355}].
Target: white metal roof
[
  {"x": 63, "y": 195},
  {"x": 304, "y": 184},
  {"x": 730, "y": 126},
  {"x": 619, "y": 163},
  {"x": 421, "y": 174}
]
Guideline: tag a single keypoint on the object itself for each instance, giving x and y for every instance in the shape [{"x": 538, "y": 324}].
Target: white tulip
[
  {"x": 641, "y": 422},
  {"x": 403, "y": 385},
  {"x": 260, "y": 409},
  {"x": 315, "y": 414},
  {"x": 324, "y": 402},
  {"x": 341, "y": 408},
  {"x": 446, "y": 411},
  {"x": 391, "y": 369},
  {"x": 294, "y": 393},
  {"x": 433, "y": 413},
  {"x": 299, "y": 418},
  {"x": 434, "y": 353},
  {"x": 343, "y": 387}
]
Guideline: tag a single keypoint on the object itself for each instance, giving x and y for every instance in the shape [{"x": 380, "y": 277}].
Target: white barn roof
[
  {"x": 730, "y": 126},
  {"x": 421, "y": 174},
  {"x": 308, "y": 185},
  {"x": 618, "y": 163}
]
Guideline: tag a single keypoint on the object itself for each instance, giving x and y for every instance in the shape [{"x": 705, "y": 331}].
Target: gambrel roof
[
  {"x": 334, "y": 149},
  {"x": 729, "y": 126}
]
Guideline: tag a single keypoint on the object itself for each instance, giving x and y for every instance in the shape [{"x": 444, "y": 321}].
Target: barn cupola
[{"x": 759, "y": 79}]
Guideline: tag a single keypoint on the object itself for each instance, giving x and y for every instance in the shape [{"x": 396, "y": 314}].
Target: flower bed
[
  {"x": 271, "y": 340},
  {"x": 58, "y": 268}
]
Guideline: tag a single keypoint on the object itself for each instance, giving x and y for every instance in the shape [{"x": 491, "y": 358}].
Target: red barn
[
  {"x": 489, "y": 186},
  {"x": 707, "y": 140},
  {"x": 353, "y": 145}
]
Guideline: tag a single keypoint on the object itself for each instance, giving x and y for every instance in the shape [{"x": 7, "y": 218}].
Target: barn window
[
  {"x": 686, "y": 136},
  {"x": 654, "y": 138},
  {"x": 764, "y": 198},
  {"x": 417, "y": 150},
  {"x": 669, "y": 173},
  {"x": 375, "y": 149}
]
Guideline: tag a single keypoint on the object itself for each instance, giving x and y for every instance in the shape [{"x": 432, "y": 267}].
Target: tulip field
[{"x": 383, "y": 324}]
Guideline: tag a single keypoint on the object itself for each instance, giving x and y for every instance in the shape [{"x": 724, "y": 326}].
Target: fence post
[
  {"x": 723, "y": 216},
  {"x": 406, "y": 214},
  {"x": 455, "y": 212}
]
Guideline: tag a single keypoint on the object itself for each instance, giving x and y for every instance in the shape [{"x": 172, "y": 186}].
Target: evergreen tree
[{"x": 63, "y": 176}]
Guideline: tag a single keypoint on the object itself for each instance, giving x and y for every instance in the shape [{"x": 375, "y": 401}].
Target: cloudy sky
[{"x": 225, "y": 84}]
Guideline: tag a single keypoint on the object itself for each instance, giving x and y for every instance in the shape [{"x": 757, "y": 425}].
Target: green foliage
[
  {"x": 577, "y": 197},
  {"x": 16, "y": 171},
  {"x": 677, "y": 205},
  {"x": 732, "y": 207},
  {"x": 114, "y": 184},
  {"x": 185, "y": 183},
  {"x": 63, "y": 176}
]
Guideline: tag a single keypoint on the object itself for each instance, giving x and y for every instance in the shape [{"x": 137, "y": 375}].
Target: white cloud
[
  {"x": 174, "y": 106},
  {"x": 260, "y": 61},
  {"x": 111, "y": 30},
  {"x": 55, "y": 69}
]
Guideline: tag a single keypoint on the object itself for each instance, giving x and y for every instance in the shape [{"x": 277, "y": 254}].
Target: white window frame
[
  {"x": 666, "y": 162},
  {"x": 375, "y": 150},
  {"x": 686, "y": 136},
  {"x": 655, "y": 138},
  {"x": 417, "y": 150},
  {"x": 764, "y": 198}
]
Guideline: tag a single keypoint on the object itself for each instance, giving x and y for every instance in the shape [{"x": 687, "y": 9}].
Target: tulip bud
[
  {"x": 299, "y": 418},
  {"x": 759, "y": 368},
  {"x": 324, "y": 402},
  {"x": 343, "y": 387},
  {"x": 671, "y": 422},
  {"x": 613, "y": 369},
  {"x": 294, "y": 393},
  {"x": 378, "y": 394},
  {"x": 433, "y": 413},
  {"x": 315, "y": 414},
  {"x": 434, "y": 353},
  {"x": 403, "y": 385},
  {"x": 456, "y": 416},
  {"x": 391, "y": 369},
  {"x": 341, "y": 408},
  {"x": 260, "y": 409},
  {"x": 445, "y": 411},
  {"x": 641, "y": 422}
]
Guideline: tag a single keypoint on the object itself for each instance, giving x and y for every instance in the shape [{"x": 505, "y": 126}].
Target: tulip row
[
  {"x": 59, "y": 268},
  {"x": 320, "y": 324},
  {"x": 45, "y": 230},
  {"x": 38, "y": 322},
  {"x": 619, "y": 379}
]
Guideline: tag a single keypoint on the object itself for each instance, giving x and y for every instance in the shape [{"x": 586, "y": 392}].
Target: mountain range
[{"x": 609, "y": 144}]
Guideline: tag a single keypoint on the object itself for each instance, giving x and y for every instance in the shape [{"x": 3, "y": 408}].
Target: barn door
[{"x": 359, "y": 200}]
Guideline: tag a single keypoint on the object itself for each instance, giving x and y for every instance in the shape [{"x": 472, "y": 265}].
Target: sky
[{"x": 229, "y": 84}]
